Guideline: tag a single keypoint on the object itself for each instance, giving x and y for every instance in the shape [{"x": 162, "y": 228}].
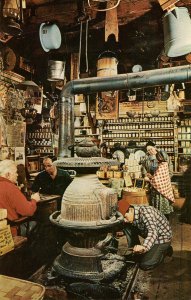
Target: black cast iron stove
[{"x": 88, "y": 214}]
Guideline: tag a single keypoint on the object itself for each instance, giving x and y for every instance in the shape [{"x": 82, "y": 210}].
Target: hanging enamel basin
[{"x": 50, "y": 36}]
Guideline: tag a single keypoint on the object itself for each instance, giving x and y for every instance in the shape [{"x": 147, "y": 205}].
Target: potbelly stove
[{"x": 88, "y": 214}]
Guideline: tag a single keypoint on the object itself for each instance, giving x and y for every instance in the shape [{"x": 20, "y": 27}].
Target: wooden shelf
[{"x": 81, "y": 127}]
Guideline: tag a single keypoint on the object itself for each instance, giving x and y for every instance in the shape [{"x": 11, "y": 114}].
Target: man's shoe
[{"x": 169, "y": 251}]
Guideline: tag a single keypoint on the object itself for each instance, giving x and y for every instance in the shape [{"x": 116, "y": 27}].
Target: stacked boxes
[{"x": 6, "y": 240}]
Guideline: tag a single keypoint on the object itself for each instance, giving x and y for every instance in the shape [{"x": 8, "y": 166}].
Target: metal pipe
[
  {"x": 66, "y": 127},
  {"x": 118, "y": 82}
]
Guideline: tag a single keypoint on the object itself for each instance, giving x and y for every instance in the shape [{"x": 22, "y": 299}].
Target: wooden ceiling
[{"x": 140, "y": 32}]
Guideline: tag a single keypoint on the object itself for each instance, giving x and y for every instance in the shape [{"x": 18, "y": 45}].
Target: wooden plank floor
[{"x": 172, "y": 279}]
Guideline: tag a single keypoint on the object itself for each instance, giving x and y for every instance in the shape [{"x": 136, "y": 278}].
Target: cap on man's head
[{"x": 123, "y": 206}]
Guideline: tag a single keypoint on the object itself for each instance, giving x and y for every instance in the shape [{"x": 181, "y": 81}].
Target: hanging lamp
[
  {"x": 12, "y": 14},
  {"x": 27, "y": 84}
]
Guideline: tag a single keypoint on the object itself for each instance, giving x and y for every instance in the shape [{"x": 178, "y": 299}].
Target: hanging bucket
[
  {"x": 56, "y": 70},
  {"x": 50, "y": 36},
  {"x": 107, "y": 64},
  {"x": 177, "y": 28}
]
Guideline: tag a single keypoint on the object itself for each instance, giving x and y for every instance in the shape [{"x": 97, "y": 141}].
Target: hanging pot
[
  {"x": 177, "y": 28},
  {"x": 50, "y": 36}
]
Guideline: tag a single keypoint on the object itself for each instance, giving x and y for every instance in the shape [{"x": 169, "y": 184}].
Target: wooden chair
[{"x": 24, "y": 221}]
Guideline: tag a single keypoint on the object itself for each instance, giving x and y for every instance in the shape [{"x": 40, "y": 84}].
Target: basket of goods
[
  {"x": 15, "y": 288},
  {"x": 135, "y": 195}
]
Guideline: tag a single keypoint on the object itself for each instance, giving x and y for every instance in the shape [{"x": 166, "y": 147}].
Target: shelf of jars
[
  {"x": 41, "y": 137},
  {"x": 39, "y": 141},
  {"x": 160, "y": 129},
  {"x": 184, "y": 137}
]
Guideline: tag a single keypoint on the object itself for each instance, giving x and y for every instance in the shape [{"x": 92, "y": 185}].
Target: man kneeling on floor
[{"x": 150, "y": 224}]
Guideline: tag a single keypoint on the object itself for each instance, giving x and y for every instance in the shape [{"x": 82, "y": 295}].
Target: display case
[
  {"x": 39, "y": 144},
  {"x": 40, "y": 139}
]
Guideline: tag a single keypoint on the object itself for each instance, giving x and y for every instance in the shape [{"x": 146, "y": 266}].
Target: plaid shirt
[{"x": 152, "y": 226}]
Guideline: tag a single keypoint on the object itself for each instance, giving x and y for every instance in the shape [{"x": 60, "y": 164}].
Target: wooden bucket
[{"x": 106, "y": 66}]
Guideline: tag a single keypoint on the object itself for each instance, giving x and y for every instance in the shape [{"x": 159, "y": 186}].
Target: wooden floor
[{"x": 172, "y": 279}]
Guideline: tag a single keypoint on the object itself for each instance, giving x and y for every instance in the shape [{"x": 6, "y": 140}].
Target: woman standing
[{"x": 155, "y": 169}]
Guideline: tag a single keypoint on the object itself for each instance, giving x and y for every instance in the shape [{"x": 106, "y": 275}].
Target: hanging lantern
[
  {"x": 27, "y": 84},
  {"x": 177, "y": 28},
  {"x": 12, "y": 11}
]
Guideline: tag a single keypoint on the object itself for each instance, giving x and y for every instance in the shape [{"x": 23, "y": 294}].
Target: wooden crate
[
  {"x": 135, "y": 198},
  {"x": 15, "y": 288},
  {"x": 3, "y": 213},
  {"x": 6, "y": 240}
]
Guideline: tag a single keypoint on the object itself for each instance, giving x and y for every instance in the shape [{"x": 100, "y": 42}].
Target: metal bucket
[
  {"x": 106, "y": 64},
  {"x": 177, "y": 28},
  {"x": 56, "y": 70}
]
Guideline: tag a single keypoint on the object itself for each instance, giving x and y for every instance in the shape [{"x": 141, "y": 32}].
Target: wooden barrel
[
  {"x": 138, "y": 198},
  {"x": 106, "y": 65}
]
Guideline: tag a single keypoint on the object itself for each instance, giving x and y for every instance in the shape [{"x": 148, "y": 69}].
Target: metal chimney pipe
[{"x": 118, "y": 82}]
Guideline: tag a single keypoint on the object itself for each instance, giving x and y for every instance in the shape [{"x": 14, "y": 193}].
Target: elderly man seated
[{"x": 11, "y": 198}]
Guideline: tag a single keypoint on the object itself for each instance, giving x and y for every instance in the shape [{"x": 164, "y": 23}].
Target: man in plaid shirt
[{"x": 154, "y": 228}]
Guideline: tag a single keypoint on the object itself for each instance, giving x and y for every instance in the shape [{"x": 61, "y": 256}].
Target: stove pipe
[{"x": 99, "y": 84}]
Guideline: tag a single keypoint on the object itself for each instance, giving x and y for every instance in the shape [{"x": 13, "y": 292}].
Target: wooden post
[{"x": 167, "y": 4}]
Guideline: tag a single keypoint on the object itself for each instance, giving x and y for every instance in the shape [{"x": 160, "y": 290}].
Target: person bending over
[{"x": 150, "y": 224}]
